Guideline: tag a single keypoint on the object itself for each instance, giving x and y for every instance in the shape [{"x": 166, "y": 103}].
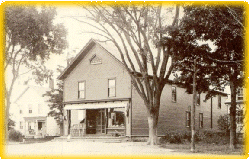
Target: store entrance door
[{"x": 101, "y": 122}]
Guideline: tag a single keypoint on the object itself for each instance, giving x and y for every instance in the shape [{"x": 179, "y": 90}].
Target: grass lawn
[{"x": 206, "y": 148}]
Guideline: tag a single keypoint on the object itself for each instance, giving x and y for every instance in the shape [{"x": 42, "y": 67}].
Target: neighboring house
[
  {"x": 30, "y": 112},
  {"x": 99, "y": 99},
  {"x": 240, "y": 102}
]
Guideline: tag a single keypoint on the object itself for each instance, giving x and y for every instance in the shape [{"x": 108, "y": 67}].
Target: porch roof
[
  {"x": 35, "y": 118},
  {"x": 117, "y": 104}
]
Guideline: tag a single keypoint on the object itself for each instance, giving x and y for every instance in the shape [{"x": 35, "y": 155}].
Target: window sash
[
  {"x": 201, "y": 120},
  {"x": 21, "y": 125},
  {"x": 240, "y": 94},
  {"x": 198, "y": 100},
  {"x": 30, "y": 108},
  {"x": 219, "y": 102},
  {"x": 188, "y": 119},
  {"x": 111, "y": 88},
  {"x": 81, "y": 89},
  {"x": 173, "y": 94}
]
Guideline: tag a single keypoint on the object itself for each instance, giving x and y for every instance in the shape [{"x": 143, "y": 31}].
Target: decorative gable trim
[{"x": 94, "y": 60}]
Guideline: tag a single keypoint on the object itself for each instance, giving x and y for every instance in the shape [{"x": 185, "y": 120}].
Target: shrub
[
  {"x": 15, "y": 135},
  {"x": 215, "y": 137},
  {"x": 11, "y": 124},
  {"x": 178, "y": 138},
  {"x": 224, "y": 123}
]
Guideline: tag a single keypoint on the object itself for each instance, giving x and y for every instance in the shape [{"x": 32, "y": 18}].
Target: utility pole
[{"x": 193, "y": 110}]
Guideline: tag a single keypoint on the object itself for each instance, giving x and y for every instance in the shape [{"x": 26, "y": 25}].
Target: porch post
[
  {"x": 69, "y": 121},
  {"x": 36, "y": 127}
]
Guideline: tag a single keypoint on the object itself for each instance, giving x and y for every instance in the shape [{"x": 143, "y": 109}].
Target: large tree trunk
[
  {"x": 233, "y": 116},
  {"x": 152, "y": 121},
  {"x": 7, "y": 107}
]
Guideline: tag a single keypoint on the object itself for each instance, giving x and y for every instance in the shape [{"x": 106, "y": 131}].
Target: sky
[{"x": 76, "y": 37}]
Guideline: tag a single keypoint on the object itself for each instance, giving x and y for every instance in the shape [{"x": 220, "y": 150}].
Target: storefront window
[{"x": 116, "y": 117}]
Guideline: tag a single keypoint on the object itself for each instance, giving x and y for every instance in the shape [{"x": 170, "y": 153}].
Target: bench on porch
[
  {"x": 115, "y": 131},
  {"x": 77, "y": 130}
]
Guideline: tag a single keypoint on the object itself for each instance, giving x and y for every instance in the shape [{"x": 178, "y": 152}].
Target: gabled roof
[
  {"x": 40, "y": 91},
  {"x": 83, "y": 53}
]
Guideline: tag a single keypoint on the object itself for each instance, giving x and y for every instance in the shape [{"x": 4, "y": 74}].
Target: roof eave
[{"x": 77, "y": 59}]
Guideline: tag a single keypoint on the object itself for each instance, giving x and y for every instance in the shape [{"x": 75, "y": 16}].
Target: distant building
[
  {"x": 99, "y": 98},
  {"x": 240, "y": 102},
  {"x": 30, "y": 113}
]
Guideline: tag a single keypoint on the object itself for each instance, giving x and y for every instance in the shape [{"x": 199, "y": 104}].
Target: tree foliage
[
  {"x": 135, "y": 30},
  {"x": 30, "y": 38},
  {"x": 224, "y": 66},
  {"x": 215, "y": 24},
  {"x": 56, "y": 101},
  {"x": 11, "y": 124}
]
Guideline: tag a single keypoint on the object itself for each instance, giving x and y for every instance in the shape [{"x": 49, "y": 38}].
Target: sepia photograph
[{"x": 124, "y": 79}]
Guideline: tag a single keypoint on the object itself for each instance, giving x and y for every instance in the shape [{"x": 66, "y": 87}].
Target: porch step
[
  {"x": 105, "y": 139},
  {"x": 29, "y": 137}
]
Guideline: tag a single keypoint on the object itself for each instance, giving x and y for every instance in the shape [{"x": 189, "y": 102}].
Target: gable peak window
[
  {"x": 173, "y": 93},
  {"x": 111, "y": 87},
  {"x": 81, "y": 89},
  {"x": 94, "y": 60}
]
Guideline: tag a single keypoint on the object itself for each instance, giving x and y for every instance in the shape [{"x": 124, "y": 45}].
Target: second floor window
[
  {"x": 188, "y": 116},
  {"x": 219, "y": 101},
  {"x": 21, "y": 125},
  {"x": 111, "y": 88},
  {"x": 240, "y": 94},
  {"x": 173, "y": 94},
  {"x": 201, "y": 120},
  {"x": 198, "y": 100},
  {"x": 30, "y": 109},
  {"x": 81, "y": 89}
]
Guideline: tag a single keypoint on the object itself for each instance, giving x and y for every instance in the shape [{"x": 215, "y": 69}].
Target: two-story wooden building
[
  {"x": 99, "y": 99},
  {"x": 30, "y": 113}
]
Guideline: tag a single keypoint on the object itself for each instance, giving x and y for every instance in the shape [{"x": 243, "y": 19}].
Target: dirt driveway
[{"x": 86, "y": 148}]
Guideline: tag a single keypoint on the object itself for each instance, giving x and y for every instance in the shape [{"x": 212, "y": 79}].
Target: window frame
[
  {"x": 200, "y": 120},
  {"x": 21, "y": 125},
  {"x": 30, "y": 109},
  {"x": 173, "y": 94},
  {"x": 84, "y": 82},
  {"x": 240, "y": 94},
  {"x": 188, "y": 121},
  {"x": 108, "y": 89},
  {"x": 219, "y": 101},
  {"x": 198, "y": 99}
]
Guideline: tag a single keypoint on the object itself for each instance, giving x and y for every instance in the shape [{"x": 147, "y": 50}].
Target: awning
[{"x": 117, "y": 104}]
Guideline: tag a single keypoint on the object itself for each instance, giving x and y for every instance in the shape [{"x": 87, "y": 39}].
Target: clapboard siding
[
  {"x": 96, "y": 78},
  {"x": 172, "y": 116},
  {"x": 139, "y": 115}
]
